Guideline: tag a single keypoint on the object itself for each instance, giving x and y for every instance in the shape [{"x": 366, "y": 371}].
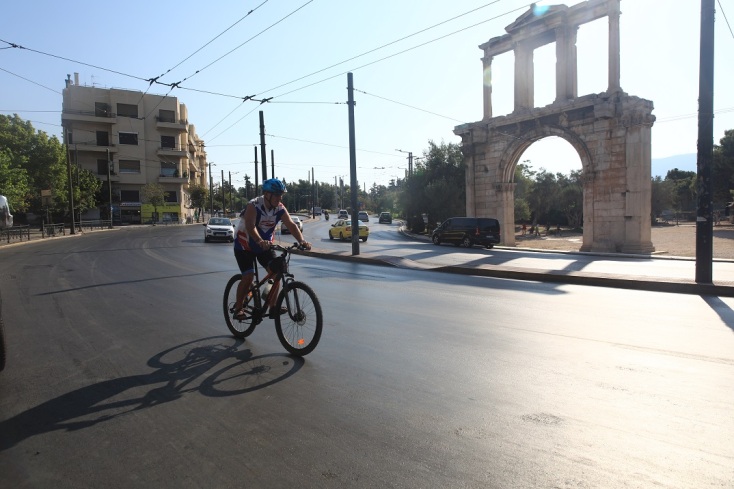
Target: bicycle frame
[
  {"x": 280, "y": 278},
  {"x": 297, "y": 314}
]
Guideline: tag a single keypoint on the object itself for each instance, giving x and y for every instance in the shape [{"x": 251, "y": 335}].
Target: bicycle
[{"x": 299, "y": 324}]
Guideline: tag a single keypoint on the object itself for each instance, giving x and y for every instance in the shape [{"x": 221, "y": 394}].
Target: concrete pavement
[{"x": 637, "y": 272}]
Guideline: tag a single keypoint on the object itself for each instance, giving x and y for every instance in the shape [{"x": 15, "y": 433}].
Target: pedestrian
[
  {"x": 558, "y": 229},
  {"x": 524, "y": 229}
]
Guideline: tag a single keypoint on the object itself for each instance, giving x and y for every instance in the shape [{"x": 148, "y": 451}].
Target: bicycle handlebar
[{"x": 284, "y": 249}]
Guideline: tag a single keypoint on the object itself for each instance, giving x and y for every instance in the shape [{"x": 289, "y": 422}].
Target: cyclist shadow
[{"x": 177, "y": 371}]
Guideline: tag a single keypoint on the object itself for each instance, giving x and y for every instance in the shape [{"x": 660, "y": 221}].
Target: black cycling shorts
[{"x": 246, "y": 259}]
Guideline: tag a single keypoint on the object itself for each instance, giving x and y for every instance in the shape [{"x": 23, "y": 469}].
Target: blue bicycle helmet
[{"x": 274, "y": 186}]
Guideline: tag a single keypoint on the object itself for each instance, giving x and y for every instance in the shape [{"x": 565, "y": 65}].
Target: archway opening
[{"x": 548, "y": 192}]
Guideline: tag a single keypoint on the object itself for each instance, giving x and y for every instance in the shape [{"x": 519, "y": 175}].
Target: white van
[{"x": 6, "y": 218}]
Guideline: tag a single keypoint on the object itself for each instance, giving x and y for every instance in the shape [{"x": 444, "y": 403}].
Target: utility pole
[
  {"x": 262, "y": 146},
  {"x": 704, "y": 185},
  {"x": 230, "y": 189},
  {"x": 272, "y": 163},
  {"x": 313, "y": 196},
  {"x": 224, "y": 206},
  {"x": 211, "y": 191},
  {"x": 256, "y": 180},
  {"x": 353, "y": 165},
  {"x": 410, "y": 161},
  {"x": 71, "y": 190},
  {"x": 109, "y": 183}
]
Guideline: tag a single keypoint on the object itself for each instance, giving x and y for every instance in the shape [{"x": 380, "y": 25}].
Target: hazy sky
[{"x": 416, "y": 65}]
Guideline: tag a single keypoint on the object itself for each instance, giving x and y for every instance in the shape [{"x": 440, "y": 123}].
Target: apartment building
[{"x": 129, "y": 139}]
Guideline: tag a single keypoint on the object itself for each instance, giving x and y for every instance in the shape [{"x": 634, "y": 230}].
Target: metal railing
[{"x": 15, "y": 233}]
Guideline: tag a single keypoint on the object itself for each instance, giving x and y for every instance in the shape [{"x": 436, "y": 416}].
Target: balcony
[
  {"x": 99, "y": 117},
  {"x": 93, "y": 147},
  {"x": 165, "y": 123},
  {"x": 172, "y": 151},
  {"x": 172, "y": 179}
]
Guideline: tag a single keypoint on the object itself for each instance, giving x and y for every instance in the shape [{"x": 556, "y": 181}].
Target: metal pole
[
  {"x": 256, "y": 180},
  {"x": 230, "y": 190},
  {"x": 262, "y": 146},
  {"x": 211, "y": 192},
  {"x": 109, "y": 183},
  {"x": 353, "y": 166},
  {"x": 71, "y": 191},
  {"x": 704, "y": 185},
  {"x": 224, "y": 206},
  {"x": 272, "y": 163}
]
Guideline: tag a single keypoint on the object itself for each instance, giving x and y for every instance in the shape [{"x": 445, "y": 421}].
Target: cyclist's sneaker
[
  {"x": 241, "y": 315},
  {"x": 273, "y": 312}
]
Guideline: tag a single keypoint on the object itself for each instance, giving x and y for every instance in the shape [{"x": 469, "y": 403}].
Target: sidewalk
[{"x": 659, "y": 273}]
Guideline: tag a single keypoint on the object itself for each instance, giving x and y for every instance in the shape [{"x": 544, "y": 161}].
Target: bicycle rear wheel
[
  {"x": 299, "y": 330},
  {"x": 240, "y": 328}
]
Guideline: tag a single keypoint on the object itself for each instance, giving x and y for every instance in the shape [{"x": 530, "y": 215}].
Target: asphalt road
[{"x": 121, "y": 374}]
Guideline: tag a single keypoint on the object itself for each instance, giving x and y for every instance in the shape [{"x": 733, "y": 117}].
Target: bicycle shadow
[{"x": 177, "y": 370}]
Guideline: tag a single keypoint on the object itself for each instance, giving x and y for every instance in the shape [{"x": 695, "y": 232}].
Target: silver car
[{"x": 219, "y": 228}]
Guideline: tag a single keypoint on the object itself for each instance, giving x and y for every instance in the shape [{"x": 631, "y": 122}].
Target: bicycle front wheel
[
  {"x": 243, "y": 327},
  {"x": 299, "y": 329}
]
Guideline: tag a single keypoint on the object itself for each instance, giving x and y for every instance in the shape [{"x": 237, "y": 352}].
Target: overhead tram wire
[
  {"x": 379, "y": 60},
  {"x": 383, "y": 46},
  {"x": 234, "y": 49},
  {"x": 18, "y": 46},
  {"x": 208, "y": 43},
  {"x": 30, "y": 81},
  {"x": 725, "y": 19},
  {"x": 402, "y": 52},
  {"x": 410, "y": 106}
]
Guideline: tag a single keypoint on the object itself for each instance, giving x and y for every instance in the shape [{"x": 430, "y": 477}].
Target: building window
[
  {"x": 102, "y": 167},
  {"x": 103, "y": 138},
  {"x": 129, "y": 166},
  {"x": 129, "y": 138},
  {"x": 168, "y": 169},
  {"x": 129, "y": 195},
  {"x": 168, "y": 141},
  {"x": 170, "y": 196},
  {"x": 70, "y": 137},
  {"x": 127, "y": 110},
  {"x": 102, "y": 109},
  {"x": 166, "y": 116}
]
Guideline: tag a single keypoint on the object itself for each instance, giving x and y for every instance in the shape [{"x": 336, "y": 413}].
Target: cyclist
[{"x": 255, "y": 233}]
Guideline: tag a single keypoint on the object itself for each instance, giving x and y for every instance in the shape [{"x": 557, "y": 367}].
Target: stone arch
[
  {"x": 610, "y": 132},
  {"x": 509, "y": 160}
]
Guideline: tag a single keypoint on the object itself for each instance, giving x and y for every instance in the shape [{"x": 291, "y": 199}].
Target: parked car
[
  {"x": 342, "y": 229},
  {"x": 363, "y": 216},
  {"x": 219, "y": 228},
  {"x": 385, "y": 217},
  {"x": 343, "y": 214},
  {"x": 297, "y": 220},
  {"x": 468, "y": 231}
]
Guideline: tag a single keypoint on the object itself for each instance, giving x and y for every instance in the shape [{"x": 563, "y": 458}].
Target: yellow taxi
[{"x": 342, "y": 229}]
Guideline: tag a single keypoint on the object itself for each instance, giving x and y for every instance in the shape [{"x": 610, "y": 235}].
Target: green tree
[
  {"x": 199, "y": 195},
  {"x": 436, "y": 186},
  {"x": 86, "y": 189},
  {"x": 42, "y": 158},
  {"x": 523, "y": 179},
  {"x": 14, "y": 184},
  {"x": 155, "y": 195},
  {"x": 723, "y": 170},
  {"x": 683, "y": 189}
]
